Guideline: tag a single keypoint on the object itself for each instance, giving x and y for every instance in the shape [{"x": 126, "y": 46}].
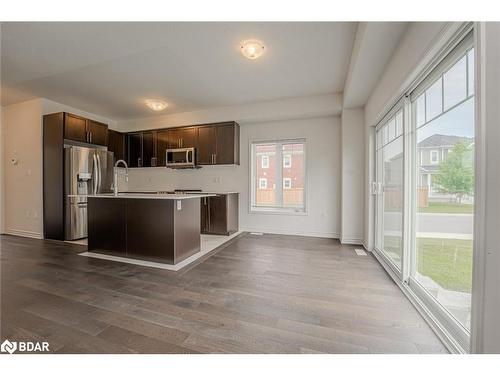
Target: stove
[{"x": 180, "y": 191}]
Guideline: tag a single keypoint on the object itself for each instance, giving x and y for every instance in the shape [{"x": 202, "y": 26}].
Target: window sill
[{"x": 277, "y": 211}]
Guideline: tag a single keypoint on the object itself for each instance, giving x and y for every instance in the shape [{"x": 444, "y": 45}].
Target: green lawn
[
  {"x": 449, "y": 208},
  {"x": 446, "y": 261}
]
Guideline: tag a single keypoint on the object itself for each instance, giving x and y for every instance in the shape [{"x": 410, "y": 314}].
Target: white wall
[
  {"x": 23, "y": 181},
  {"x": 353, "y": 176},
  {"x": 22, "y": 137},
  {"x": 323, "y": 171}
]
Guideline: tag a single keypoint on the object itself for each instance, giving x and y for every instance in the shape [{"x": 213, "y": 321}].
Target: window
[
  {"x": 277, "y": 194},
  {"x": 434, "y": 157},
  {"x": 264, "y": 163},
  {"x": 287, "y": 161}
]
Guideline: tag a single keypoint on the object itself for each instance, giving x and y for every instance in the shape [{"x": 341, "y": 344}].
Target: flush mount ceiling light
[
  {"x": 252, "y": 48},
  {"x": 156, "y": 105}
]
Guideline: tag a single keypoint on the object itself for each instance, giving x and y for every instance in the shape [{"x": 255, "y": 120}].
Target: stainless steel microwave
[{"x": 181, "y": 157}]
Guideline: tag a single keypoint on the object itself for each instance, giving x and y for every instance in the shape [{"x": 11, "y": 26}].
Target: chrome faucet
[{"x": 115, "y": 177}]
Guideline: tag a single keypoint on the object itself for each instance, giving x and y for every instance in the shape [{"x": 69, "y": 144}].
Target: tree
[{"x": 456, "y": 174}]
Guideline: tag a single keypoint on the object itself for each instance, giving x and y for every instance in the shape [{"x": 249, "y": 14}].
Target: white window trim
[
  {"x": 262, "y": 183},
  {"x": 288, "y": 179},
  {"x": 264, "y": 165},
  {"x": 252, "y": 186},
  {"x": 431, "y": 159},
  {"x": 289, "y": 158}
]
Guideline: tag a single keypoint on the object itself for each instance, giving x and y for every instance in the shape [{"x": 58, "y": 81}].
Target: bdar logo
[
  {"x": 24, "y": 346},
  {"x": 8, "y": 346}
]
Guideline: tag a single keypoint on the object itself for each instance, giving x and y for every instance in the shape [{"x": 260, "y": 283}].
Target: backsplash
[{"x": 211, "y": 178}]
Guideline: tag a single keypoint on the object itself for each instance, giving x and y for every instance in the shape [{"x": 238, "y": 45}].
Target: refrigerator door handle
[
  {"x": 99, "y": 173},
  {"x": 94, "y": 177}
]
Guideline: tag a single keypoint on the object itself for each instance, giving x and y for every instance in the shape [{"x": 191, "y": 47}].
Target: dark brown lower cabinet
[
  {"x": 107, "y": 223},
  {"x": 219, "y": 214},
  {"x": 159, "y": 230}
]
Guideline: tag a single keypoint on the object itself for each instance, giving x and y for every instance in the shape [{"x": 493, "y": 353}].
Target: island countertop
[{"x": 147, "y": 196}]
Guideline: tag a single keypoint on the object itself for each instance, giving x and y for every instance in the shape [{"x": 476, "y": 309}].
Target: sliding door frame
[{"x": 456, "y": 339}]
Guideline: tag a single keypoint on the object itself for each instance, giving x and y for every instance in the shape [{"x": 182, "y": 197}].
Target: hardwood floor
[{"x": 258, "y": 294}]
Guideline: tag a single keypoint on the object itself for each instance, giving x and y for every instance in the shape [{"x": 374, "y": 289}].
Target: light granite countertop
[{"x": 146, "y": 196}]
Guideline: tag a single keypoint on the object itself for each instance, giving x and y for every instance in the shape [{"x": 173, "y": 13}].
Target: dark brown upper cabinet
[
  {"x": 183, "y": 137},
  {"x": 134, "y": 142},
  {"x": 98, "y": 132},
  {"x": 80, "y": 129},
  {"x": 227, "y": 144},
  {"x": 116, "y": 144},
  {"x": 162, "y": 145},
  {"x": 149, "y": 149},
  {"x": 206, "y": 145},
  {"x": 219, "y": 143},
  {"x": 75, "y": 128},
  {"x": 142, "y": 149}
]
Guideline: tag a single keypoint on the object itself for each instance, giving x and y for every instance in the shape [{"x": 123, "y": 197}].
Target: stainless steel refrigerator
[{"x": 87, "y": 171}]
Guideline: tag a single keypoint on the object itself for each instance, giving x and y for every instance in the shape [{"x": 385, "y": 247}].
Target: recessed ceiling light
[
  {"x": 156, "y": 105},
  {"x": 252, "y": 48}
]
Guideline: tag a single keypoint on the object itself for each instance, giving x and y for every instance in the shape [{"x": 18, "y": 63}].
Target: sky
[{"x": 459, "y": 121}]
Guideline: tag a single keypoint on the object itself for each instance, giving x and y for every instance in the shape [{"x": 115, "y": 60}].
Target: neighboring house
[
  {"x": 431, "y": 152},
  {"x": 292, "y": 174}
]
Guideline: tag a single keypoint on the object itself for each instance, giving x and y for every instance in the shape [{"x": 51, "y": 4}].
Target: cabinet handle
[
  {"x": 215, "y": 158},
  {"x": 90, "y": 136},
  {"x": 209, "y": 224}
]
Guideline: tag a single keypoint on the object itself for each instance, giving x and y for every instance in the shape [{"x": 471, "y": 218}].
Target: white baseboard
[
  {"x": 351, "y": 241},
  {"x": 293, "y": 232},
  {"x": 23, "y": 233}
]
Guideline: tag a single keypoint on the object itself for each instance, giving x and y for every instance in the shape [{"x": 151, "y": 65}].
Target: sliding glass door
[
  {"x": 424, "y": 190},
  {"x": 443, "y": 122},
  {"x": 389, "y": 189}
]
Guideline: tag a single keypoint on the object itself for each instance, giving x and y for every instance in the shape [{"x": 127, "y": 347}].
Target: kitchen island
[{"x": 161, "y": 228}]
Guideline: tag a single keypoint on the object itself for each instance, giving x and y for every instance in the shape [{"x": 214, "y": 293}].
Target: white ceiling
[{"x": 111, "y": 68}]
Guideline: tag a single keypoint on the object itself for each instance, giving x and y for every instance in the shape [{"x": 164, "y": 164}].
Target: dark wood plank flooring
[{"x": 258, "y": 294}]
